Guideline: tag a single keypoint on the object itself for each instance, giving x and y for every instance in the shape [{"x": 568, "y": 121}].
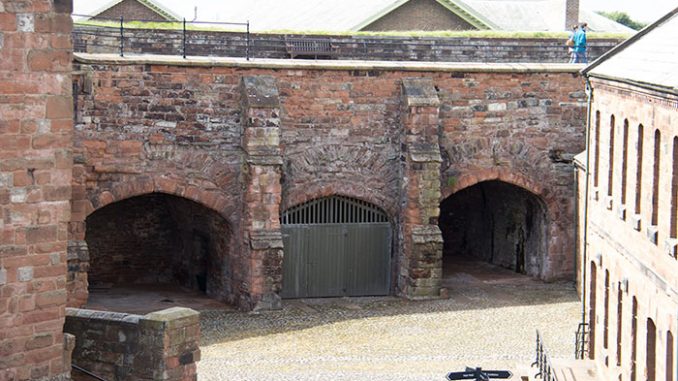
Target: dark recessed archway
[
  {"x": 159, "y": 239},
  {"x": 495, "y": 222}
]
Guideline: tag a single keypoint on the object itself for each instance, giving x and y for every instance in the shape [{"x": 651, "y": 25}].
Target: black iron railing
[
  {"x": 581, "y": 341},
  {"x": 103, "y": 34},
  {"x": 543, "y": 361}
]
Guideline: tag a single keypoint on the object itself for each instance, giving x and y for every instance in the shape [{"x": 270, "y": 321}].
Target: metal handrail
[
  {"x": 543, "y": 361},
  {"x": 182, "y": 28},
  {"x": 581, "y": 341},
  {"x": 87, "y": 372}
]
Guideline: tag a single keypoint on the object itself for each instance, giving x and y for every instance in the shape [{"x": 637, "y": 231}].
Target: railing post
[
  {"x": 122, "y": 37},
  {"x": 183, "y": 46},
  {"x": 247, "y": 46}
]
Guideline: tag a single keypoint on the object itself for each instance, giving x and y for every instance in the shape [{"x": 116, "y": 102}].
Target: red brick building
[{"x": 628, "y": 207}]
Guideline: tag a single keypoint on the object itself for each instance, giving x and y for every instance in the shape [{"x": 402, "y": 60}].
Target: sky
[{"x": 639, "y": 10}]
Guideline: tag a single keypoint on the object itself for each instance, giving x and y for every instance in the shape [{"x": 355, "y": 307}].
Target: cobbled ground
[{"x": 490, "y": 324}]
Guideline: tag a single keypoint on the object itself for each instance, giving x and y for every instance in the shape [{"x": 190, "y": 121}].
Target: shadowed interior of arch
[
  {"x": 157, "y": 250},
  {"x": 494, "y": 222}
]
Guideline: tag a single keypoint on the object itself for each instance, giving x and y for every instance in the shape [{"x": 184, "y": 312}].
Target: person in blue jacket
[{"x": 579, "y": 48}]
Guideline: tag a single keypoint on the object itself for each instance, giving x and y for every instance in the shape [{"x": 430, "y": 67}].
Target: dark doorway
[
  {"x": 160, "y": 240},
  {"x": 495, "y": 222}
]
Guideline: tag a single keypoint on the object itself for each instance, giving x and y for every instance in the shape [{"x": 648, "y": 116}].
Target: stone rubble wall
[
  {"x": 161, "y": 345},
  {"x": 90, "y": 39}
]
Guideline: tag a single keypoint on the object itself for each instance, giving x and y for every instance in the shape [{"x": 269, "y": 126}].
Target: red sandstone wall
[
  {"x": 638, "y": 256},
  {"x": 36, "y": 122},
  {"x": 522, "y": 129},
  {"x": 145, "y": 128}
]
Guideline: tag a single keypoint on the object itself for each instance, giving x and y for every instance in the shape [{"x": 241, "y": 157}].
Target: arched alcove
[
  {"x": 159, "y": 239},
  {"x": 498, "y": 223}
]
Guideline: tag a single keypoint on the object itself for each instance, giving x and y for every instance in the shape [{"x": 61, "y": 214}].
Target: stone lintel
[
  {"x": 266, "y": 239},
  {"x": 420, "y": 92},
  {"x": 260, "y": 91}
]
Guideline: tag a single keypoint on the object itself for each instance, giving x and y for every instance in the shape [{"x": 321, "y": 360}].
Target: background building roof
[
  {"x": 650, "y": 57},
  {"x": 352, "y": 15}
]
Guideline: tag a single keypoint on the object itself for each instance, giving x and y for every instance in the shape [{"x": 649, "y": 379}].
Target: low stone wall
[
  {"x": 89, "y": 39},
  {"x": 116, "y": 346}
]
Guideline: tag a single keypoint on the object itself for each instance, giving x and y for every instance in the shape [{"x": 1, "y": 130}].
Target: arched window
[
  {"x": 596, "y": 150},
  {"x": 655, "y": 177},
  {"x": 674, "y": 190},
  {"x": 624, "y": 163},
  {"x": 651, "y": 350},
  {"x": 610, "y": 168},
  {"x": 639, "y": 168}
]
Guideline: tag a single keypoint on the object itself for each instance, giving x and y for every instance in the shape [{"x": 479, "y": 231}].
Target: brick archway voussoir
[
  {"x": 510, "y": 177},
  {"x": 121, "y": 191}
]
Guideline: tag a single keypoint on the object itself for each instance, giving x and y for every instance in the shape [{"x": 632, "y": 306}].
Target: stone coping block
[
  {"x": 102, "y": 315},
  {"x": 172, "y": 318},
  {"x": 269, "y": 63}
]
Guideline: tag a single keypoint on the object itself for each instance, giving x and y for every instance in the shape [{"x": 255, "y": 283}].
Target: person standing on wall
[
  {"x": 570, "y": 43},
  {"x": 579, "y": 48}
]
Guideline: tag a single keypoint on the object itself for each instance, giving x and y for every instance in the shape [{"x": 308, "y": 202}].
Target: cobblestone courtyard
[{"x": 489, "y": 320}]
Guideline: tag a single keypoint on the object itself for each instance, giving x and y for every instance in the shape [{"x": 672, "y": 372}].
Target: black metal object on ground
[{"x": 478, "y": 374}]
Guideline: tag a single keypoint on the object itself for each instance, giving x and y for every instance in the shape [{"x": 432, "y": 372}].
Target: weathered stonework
[
  {"x": 420, "y": 272},
  {"x": 36, "y": 139},
  {"x": 248, "y": 140},
  {"x": 161, "y": 345},
  {"x": 261, "y": 142}
]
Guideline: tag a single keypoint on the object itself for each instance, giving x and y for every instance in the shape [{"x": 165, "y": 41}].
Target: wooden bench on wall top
[{"x": 302, "y": 47}]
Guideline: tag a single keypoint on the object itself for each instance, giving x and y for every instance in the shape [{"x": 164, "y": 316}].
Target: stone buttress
[{"x": 420, "y": 265}]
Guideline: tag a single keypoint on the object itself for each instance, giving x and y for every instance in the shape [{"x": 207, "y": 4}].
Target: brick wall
[
  {"x": 36, "y": 122},
  {"x": 130, "y": 10},
  {"x": 419, "y": 15},
  {"x": 629, "y": 250},
  {"x": 161, "y": 345},
  {"x": 314, "y": 132},
  {"x": 373, "y": 48}
]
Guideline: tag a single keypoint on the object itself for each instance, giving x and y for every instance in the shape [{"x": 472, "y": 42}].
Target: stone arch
[
  {"x": 213, "y": 200},
  {"x": 316, "y": 191},
  {"x": 511, "y": 231},
  {"x": 507, "y": 176}
]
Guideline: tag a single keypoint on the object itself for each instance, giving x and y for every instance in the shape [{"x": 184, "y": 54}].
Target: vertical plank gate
[{"x": 336, "y": 246}]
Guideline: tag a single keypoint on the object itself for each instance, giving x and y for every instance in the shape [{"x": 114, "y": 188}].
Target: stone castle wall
[
  {"x": 288, "y": 134},
  {"x": 36, "y": 162}
]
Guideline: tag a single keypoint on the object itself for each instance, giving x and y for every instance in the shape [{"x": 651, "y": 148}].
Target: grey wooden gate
[{"x": 336, "y": 246}]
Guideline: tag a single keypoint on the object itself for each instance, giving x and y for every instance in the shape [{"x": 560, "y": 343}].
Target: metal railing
[
  {"x": 581, "y": 341},
  {"x": 87, "y": 372},
  {"x": 104, "y": 34},
  {"x": 543, "y": 361}
]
